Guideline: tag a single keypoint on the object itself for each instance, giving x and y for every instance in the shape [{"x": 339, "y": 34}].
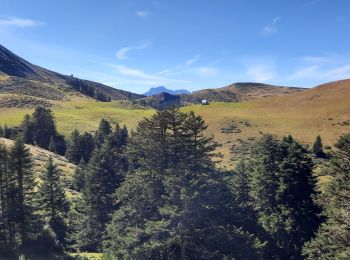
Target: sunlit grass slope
[
  {"x": 324, "y": 111},
  {"x": 83, "y": 114}
]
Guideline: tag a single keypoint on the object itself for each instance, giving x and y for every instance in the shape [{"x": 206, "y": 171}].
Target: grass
[
  {"x": 304, "y": 115},
  {"x": 90, "y": 256},
  {"x": 83, "y": 114}
]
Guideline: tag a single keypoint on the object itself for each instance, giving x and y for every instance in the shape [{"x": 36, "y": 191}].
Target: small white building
[{"x": 205, "y": 102}]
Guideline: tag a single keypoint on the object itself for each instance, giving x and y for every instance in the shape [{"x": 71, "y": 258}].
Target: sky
[{"x": 183, "y": 44}]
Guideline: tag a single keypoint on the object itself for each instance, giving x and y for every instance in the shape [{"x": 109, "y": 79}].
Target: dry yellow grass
[
  {"x": 324, "y": 111},
  {"x": 41, "y": 156}
]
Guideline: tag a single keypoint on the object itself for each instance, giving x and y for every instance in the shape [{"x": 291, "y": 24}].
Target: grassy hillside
[
  {"x": 41, "y": 156},
  {"x": 324, "y": 110},
  {"x": 22, "y": 77},
  {"x": 238, "y": 92},
  {"x": 83, "y": 114}
]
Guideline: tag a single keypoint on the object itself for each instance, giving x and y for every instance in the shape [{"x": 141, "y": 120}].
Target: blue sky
[{"x": 192, "y": 44}]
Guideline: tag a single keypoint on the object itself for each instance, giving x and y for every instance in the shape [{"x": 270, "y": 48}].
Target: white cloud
[
  {"x": 179, "y": 68},
  {"x": 143, "y": 13},
  {"x": 207, "y": 71},
  {"x": 261, "y": 72},
  {"x": 122, "y": 53},
  {"x": 144, "y": 78},
  {"x": 271, "y": 28},
  {"x": 321, "y": 73},
  {"x": 20, "y": 22}
]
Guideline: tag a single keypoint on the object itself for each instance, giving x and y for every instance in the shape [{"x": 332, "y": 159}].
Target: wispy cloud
[
  {"x": 141, "y": 77},
  {"x": 122, "y": 53},
  {"x": 207, "y": 71},
  {"x": 271, "y": 28},
  {"x": 143, "y": 14},
  {"x": 261, "y": 72},
  {"x": 321, "y": 73},
  {"x": 20, "y": 22},
  {"x": 179, "y": 68}
]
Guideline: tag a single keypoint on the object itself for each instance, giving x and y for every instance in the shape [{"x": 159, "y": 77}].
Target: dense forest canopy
[{"x": 157, "y": 193}]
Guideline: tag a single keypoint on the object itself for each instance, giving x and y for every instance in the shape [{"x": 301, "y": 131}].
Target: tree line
[
  {"x": 86, "y": 88},
  {"x": 156, "y": 193}
]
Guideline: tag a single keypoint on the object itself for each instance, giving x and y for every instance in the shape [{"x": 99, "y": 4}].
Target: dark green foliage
[
  {"x": 7, "y": 132},
  {"x": 332, "y": 240},
  {"x": 282, "y": 189},
  {"x": 4, "y": 192},
  {"x": 79, "y": 176},
  {"x": 317, "y": 148},
  {"x": 174, "y": 204},
  {"x": 28, "y": 130},
  {"x": 102, "y": 133},
  {"x": 44, "y": 126},
  {"x": 52, "y": 145},
  {"x": 86, "y": 88},
  {"x": 40, "y": 129},
  {"x": 102, "y": 176},
  {"x": 60, "y": 144},
  {"x": 52, "y": 200},
  {"x": 21, "y": 194},
  {"x": 80, "y": 147},
  {"x": 73, "y": 152},
  {"x": 87, "y": 145},
  {"x": 1, "y": 132}
]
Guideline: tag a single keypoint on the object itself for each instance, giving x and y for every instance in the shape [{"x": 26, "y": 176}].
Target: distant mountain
[
  {"x": 162, "y": 89},
  {"x": 22, "y": 77},
  {"x": 238, "y": 92},
  {"x": 160, "y": 101}
]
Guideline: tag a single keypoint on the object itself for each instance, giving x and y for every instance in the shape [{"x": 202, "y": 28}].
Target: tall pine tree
[
  {"x": 52, "y": 200},
  {"x": 332, "y": 240}
]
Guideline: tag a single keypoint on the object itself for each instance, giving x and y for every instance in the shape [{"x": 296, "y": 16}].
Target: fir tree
[
  {"x": 174, "y": 204},
  {"x": 74, "y": 152},
  {"x": 52, "y": 200},
  {"x": 87, "y": 145},
  {"x": 103, "y": 175},
  {"x": 52, "y": 145},
  {"x": 44, "y": 126},
  {"x": 317, "y": 148},
  {"x": 22, "y": 190},
  {"x": 4, "y": 176},
  {"x": 332, "y": 240},
  {"x": 282, "y": 189},
  {"x": 28, "y": 130},
  {"x": 103, "y": 131}
]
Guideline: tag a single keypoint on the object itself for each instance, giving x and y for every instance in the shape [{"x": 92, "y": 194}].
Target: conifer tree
[
  {"x": 52, "y": 200},
  {"x": 332, "y": 240},
  {"x": 282, "y": 189},
  {"x": 4, "y": 176},
  {"x": 22, "y": 193},
  {"x": 169, "y": 203},
  {"x": 103, "y": 175},
  {"x": 103, "y": 131},
  {"x": 1, "y": 132},
  {"x": 79, "y": 176},
  {"x": 52, "y": 145},
  {"x": 28, "y": 130},
  {"x": 318, "y": 147},
  {"x": 7, "y": 132},
  {"x": 74, "y": 152},
  {"x": 87, "y": 145},
  {"x": 44, "y": 126}
]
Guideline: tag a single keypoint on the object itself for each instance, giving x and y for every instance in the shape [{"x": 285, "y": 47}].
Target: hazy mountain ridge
[{"x": 161, "y": 89}]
